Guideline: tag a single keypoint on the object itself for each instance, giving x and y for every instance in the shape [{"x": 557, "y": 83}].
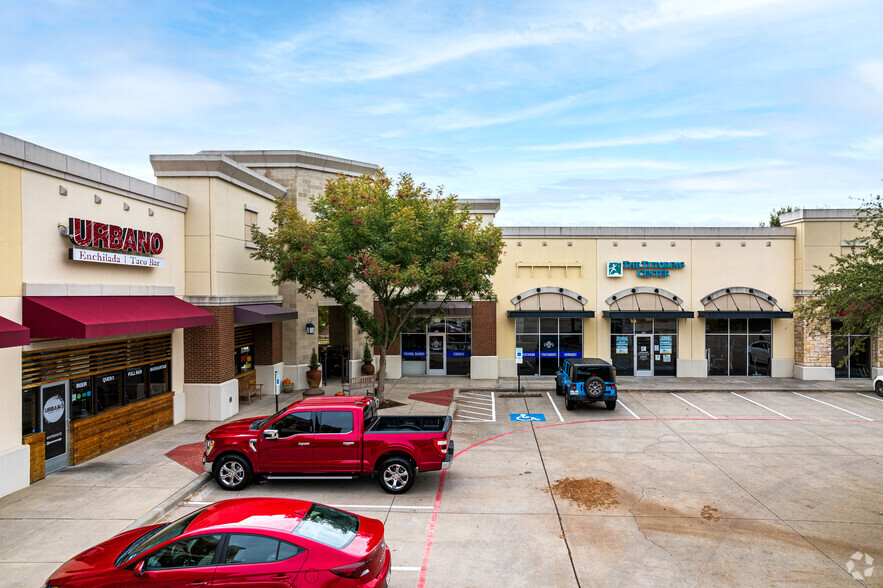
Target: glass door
[
  {"x": 54, "y": 414},
  {"x": 435, "y": 355},
  {"x": 643, "y": 355}
]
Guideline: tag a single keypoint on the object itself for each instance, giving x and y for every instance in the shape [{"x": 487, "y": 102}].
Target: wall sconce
[
  {"x": 310, "y": 327},
  {"x": 62, "y": 230}
]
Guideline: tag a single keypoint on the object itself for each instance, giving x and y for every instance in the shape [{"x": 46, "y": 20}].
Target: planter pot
[
  {"x": 314, "y": 377},
  {"x": 288, "y": 388},
  {"x": 367, "y": 369}
]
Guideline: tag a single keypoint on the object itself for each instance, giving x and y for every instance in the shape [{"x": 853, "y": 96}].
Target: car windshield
[
  {"x": 327, "y": 525},
  {"x": 261, "y": 422},
  {"x": 156, "y": 536}
]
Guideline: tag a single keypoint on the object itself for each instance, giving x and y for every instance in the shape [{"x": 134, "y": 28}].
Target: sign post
[
  {"x": 276, "y": 388},
  {"x": 519, "y": 358}
]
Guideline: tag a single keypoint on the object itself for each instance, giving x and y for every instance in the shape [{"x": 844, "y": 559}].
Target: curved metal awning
[
  {"x": 737, "y": 314},
  {"x": 656, "y": 314},
  {"x": 551, "y": 313}
]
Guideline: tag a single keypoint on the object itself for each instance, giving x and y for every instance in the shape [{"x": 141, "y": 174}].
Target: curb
[{"x": 164, "y": 507}]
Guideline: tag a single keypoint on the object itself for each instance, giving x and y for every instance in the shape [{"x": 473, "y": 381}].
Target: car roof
[
  {"x": 278, "y": 514},
  {"x": 588, "y": 361}
]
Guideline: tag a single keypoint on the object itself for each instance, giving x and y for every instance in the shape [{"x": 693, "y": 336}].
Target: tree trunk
[{"x": 381, "y": 377}]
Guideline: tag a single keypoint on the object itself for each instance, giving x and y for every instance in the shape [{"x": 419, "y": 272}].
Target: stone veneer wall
[{"x": 811, "y": 350}]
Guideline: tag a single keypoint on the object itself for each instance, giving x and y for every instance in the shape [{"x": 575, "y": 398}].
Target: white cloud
[{"x": 653, "y": 139}]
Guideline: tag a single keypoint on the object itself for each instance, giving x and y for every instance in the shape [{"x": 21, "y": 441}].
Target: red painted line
[{"x": 441, "y": 480}]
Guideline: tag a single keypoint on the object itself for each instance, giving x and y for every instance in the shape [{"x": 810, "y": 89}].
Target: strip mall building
[{"x": 127, "y": 306}]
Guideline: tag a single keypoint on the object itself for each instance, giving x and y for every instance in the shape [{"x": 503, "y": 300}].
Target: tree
[
  {"x": 775, "y": 220},
  {"x": 851, "y": 289},
  {"x": 408, "y": 244}
]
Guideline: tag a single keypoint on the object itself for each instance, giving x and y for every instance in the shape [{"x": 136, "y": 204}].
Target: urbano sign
[
  {"x": 116, "y": 241},
  {"x": 645, "y": 269}
]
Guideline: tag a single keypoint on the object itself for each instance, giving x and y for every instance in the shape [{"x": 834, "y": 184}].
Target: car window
[
  {"x": 335, "y": 421},
  {"x": 243, "y": 548},
  {"x": 294, "y": 424},
  {"x": 157, "y": 536},
  {"x": 327, "y": 525},
  {"x": 192, "y": 552}
]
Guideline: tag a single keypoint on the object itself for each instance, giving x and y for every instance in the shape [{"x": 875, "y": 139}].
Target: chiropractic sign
[
  {"x": 646, "y": 269},
  {"x": 120, "y": 244}
]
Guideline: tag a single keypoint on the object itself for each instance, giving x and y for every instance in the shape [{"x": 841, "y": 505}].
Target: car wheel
[
  {"x": 396, "y": 475},
  {"x": 610, "y": 404},
  {"x": 594, "y": 387},
  {"x": 878, "y": 386},
  {"x": 232, "y": 472},
  {"x": 568, "y": 403}
]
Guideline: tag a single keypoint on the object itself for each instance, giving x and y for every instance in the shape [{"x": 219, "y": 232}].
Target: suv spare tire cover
[{"x": 595, "y": 387}]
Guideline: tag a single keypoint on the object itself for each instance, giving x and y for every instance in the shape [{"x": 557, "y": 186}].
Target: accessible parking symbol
[{"x": 527, "y": 416}]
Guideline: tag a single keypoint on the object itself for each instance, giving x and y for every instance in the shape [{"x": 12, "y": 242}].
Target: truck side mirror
[{"x": 271, "y": 434}]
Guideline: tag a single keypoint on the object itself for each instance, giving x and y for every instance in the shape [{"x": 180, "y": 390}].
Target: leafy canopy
[
  {"x": 407, "y": 244},
  {"x": 851, "y": 289}
]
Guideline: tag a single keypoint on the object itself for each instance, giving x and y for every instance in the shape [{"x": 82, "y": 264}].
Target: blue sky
[{"x": 629, "y": 113}]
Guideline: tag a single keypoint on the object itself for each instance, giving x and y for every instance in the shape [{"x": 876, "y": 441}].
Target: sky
[{"x": 584, "y": 113}]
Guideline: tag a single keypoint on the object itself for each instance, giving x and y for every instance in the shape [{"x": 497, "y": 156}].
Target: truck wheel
[
  {"x": 594, "y": 387},
  {"x": 568, "y": 403},
  {"x": 879, "y": 388},
  {"x": 611, "y": 404},
  {"x": 559, "y": 389},
  {"x": 232, "y": 472},
  {"x": 396, "y": 475}
]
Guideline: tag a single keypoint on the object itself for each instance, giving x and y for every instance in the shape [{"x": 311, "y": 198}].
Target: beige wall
[
  {"x": 10, "y": 231},
  {"x": 43, "y": 209},
  {"x": 816, "y": 242},
  {"x": 10, "y": 381},
  {"x": 710, "y": 265}
]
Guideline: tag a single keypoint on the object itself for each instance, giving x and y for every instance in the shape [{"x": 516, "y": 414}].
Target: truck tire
[
  {"x": 232, "y": 472},
  {"x": 610, "y": 404},
  {"x": 594, "y": 387},
  {"x": 568, "y": 403},
  {"x": 559, "y": 389},
  {"x": 396, "y": 475},
  {"x": 879, "y": 388}
]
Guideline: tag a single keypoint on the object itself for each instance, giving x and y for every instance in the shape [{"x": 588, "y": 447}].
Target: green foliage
[
  {"x": 314, "y": 360},
  {"x": 851, "y": 289},
  {"x": 366, "y": 354},
  {"x": 775, "y": 220},
  {"x": 408, "y": 244}
]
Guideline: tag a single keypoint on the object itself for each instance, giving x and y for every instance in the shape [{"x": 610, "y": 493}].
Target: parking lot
[{"x": 671, "y": 488}]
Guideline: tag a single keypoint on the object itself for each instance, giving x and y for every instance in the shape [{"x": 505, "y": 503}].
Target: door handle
[
  {"x": 303, "y": 443},
  {"x": 349, "y": 442}
]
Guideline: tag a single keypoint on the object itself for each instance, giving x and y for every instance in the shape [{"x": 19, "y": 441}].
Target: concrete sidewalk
[{"x": 54, "y": 519}]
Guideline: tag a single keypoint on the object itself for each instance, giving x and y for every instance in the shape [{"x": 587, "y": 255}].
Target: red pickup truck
[{"x": 332, "y": 438}]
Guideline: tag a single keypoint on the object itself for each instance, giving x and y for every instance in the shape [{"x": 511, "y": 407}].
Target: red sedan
[{"x": 240, "y": 542}]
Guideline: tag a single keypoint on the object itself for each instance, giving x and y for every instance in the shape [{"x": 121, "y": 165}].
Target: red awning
[
  {"x": 13, "y": 334},
  {"x": 87, "y": 317}
]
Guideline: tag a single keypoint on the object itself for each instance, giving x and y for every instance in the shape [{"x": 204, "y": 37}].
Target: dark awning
[
  {"x": 453, "y": 308},
  {"x": 87, "y": 317},
  {"x": 551, "y": 313},
  {"x": 254, "y": 314},
  {"x": 655, "y": 314},
  {"x": 13, "y": 334},
  {"x": 736, "y": 314}
]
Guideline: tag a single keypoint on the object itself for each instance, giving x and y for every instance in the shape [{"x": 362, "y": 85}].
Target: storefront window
[
  {"x": 738, "y": 347},
  {"x": 81, "y": 398},
  {"x": 545, "y": 342},
  {"x": 414, "y": 354},
  {"x": 158, "y": 376},
  {"x": 656, "y": 341},
  {"x": 135, "y": 385},
  {"x": 29, "y": 411},
  {"x": 856, "y": 347},
  {"x": 451, "y": 341},
  {"x": 244, "y": 360},
  {"x": 107, "y": 391},
  {"x": 459, "y": 354}
]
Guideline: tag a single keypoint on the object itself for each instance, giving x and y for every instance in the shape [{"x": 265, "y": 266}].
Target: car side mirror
[
  {"x": 271, "y": 434},
  {"x": 138, "y": 570}
]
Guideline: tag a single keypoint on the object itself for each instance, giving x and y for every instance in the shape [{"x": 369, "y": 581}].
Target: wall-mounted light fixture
[
  {"x": 62, "y": 230},
  {"x": 310, "y": 327}
]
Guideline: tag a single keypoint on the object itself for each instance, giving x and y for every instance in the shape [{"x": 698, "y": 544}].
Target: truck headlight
[{"x": 209, "y": 445}]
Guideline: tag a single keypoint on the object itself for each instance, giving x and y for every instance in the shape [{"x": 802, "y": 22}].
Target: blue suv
[{"x": 587, "y": 379}]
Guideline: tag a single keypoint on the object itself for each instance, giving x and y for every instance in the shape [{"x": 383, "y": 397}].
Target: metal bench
[{"x": 360, "y": 386}]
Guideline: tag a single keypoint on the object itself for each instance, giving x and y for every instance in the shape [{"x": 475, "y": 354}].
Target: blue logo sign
[{"x": 526, "y": 417}]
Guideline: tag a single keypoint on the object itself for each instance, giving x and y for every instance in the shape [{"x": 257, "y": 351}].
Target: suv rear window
[
  {"x": 586, "y": 372},
  {"x": 327, "y": 525}
]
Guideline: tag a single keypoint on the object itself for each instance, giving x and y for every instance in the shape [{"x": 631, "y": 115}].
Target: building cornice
[
  {"x": 819, "y": 215},
  {"x": 215, "y": 165},
  {"x": 649, "y": 233},
  {"x": 25, "y": 155},
  {"x": 231, "y": 300},
  {"x": 481, "y": 205},
  {"x": 297, "y": 159}
]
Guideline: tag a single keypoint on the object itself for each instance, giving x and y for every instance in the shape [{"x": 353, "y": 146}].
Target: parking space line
[
  {"x": 871, "y": 397},
  {"x": 762, "y": 406},
  {"x": 558, "y": 412},
  {"x": 470, "y": 411},
  {"x": 693, "y": 405},
  {"x": 832, "y": 406},
  {"x": 622, "y": 404},
  {"x": 405, "y": 569}
]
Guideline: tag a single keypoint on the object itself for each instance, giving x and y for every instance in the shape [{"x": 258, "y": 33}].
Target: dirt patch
[
  {"x": 708, "y": 513},
  {"x": 520, "y": 395},
  {"x": 387, "y": 403},
  {"x": 587, "y": 493}
]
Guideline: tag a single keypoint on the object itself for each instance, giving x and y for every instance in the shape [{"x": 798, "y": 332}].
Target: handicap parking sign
[{"x": 527, "y": 416}]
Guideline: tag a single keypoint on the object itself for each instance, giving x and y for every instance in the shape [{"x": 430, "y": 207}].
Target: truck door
[
  {"x": 292, "y": 450},
  {"x": 337, "y": 445}
]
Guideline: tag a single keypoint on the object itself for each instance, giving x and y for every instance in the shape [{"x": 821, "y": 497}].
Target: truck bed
[{"x": 410, "y": 424}]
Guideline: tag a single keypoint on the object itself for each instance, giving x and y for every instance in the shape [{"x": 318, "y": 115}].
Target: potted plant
[
  {"x": 314, "y": 374},
  {"x": 287, "y": 386},
  {"x": 367, "y": 361}
]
